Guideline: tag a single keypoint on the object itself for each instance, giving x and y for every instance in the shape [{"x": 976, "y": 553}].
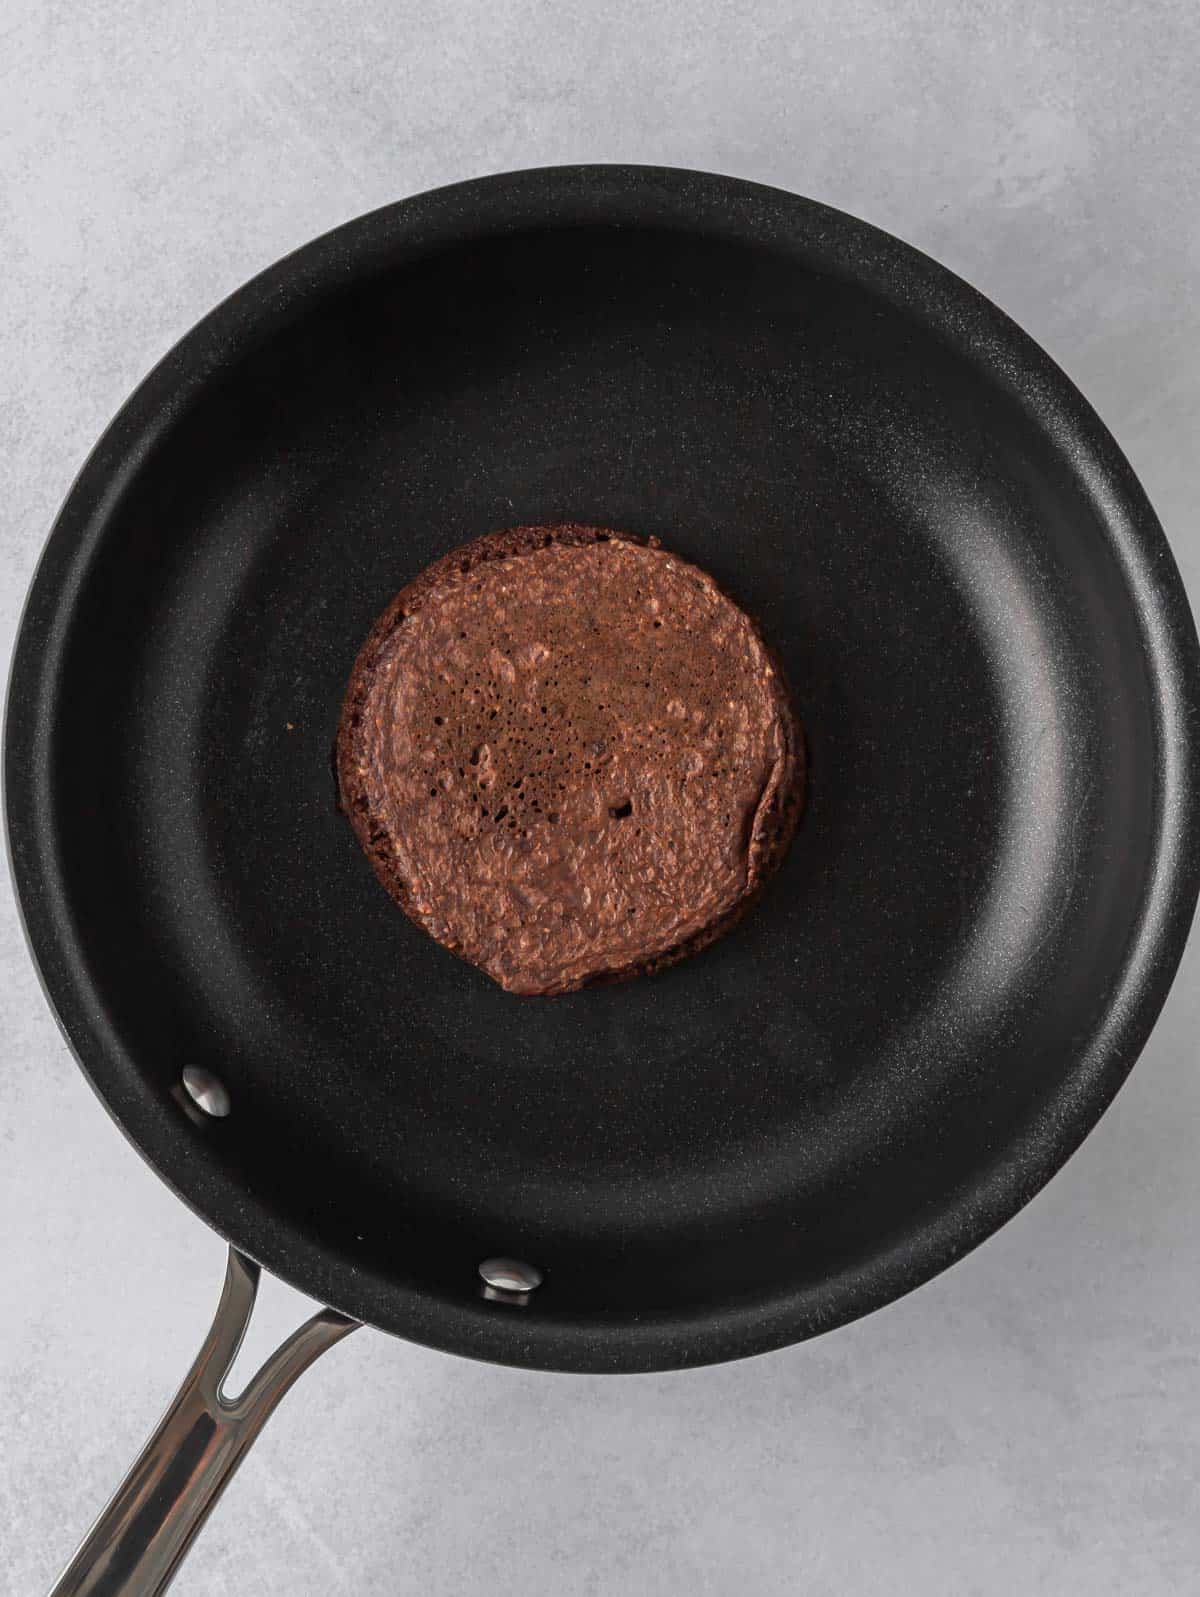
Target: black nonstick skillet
[{"x": 940, "y": 993}]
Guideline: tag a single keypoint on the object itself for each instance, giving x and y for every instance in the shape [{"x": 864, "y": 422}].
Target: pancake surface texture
[{"x": 569, "y": 756}]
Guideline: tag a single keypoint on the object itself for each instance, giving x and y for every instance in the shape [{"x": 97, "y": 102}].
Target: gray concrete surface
[{"x": 1030, "y": 1422}]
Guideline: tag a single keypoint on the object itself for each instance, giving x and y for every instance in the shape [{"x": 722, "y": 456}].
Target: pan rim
[{"x": 709, "y": 204}]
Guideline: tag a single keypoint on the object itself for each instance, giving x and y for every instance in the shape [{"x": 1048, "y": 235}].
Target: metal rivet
[
  {"x": 207, "y": 1092},
  {"x": 509, "y": 1280}
]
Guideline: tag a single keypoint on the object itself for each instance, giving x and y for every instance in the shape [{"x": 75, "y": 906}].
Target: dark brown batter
[{"x": 569, "y": 756}]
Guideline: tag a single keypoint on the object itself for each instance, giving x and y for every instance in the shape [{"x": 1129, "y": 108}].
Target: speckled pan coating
[
  {"x": 1001, "y": 692},
  {"x": 569, "y": 756}
]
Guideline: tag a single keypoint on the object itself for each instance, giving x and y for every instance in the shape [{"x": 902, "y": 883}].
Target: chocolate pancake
[{"x": 569, "y": 755}]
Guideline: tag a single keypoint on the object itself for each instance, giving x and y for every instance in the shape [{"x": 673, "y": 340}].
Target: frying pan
[{"x": 940, "y": 993}]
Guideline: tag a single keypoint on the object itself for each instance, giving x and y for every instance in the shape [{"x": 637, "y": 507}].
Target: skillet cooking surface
[{"x": 979, "y": 916}]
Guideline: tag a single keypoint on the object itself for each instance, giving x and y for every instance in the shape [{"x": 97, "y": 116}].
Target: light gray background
[{"x": 1028, "y": 1423}]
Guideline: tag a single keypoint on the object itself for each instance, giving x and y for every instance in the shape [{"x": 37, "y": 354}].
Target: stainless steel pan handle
[{"x": 138, "y": 1543}]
